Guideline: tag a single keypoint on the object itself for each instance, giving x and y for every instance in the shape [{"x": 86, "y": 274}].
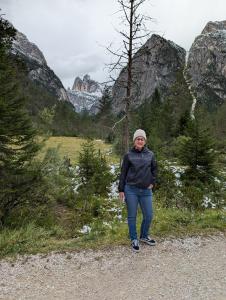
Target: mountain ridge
[{"x": 37, "y": 67}]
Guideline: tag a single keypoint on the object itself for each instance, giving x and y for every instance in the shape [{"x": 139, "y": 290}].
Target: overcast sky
[{"x": 72, "y": 33}]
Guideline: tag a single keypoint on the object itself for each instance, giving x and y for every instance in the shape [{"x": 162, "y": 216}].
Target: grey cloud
[{"x": 79, "y": 64}]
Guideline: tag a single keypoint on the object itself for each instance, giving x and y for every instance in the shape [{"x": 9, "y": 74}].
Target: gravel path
[{"x": 193, "y": 268}]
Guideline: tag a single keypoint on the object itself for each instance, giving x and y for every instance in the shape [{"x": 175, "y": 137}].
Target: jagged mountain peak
[
  {"x": 214, "y": 26},
  {"x": 86, "y": 85},
  {"x": 85, "y": 93},
  {"x": 21, "y": 45},
  {"x": 155, "y": 66},
  {"x": 38, "y": 70},
  {"x": 86, "y": 77},
  {"x": 207, "y": 64}
]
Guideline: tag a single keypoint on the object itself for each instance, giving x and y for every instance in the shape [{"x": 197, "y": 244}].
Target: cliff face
[
  {"x": 86, "y": 85},
  {"x": 206, "y": 64},
  {"x": 38, "y": 70},
  {"x": 155, "y": 67},
  {"x": 85, "y": 94}
]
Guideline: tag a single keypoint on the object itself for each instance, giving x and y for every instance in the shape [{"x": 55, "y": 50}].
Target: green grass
[
  {"x": 179, "y": 223},
  {"x": 71, "y": 146},
  {"x": 176, "y": 223}
]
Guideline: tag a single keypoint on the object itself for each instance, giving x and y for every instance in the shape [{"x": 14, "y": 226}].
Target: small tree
[
  {"x": 94, "y": 172},
  {"x": 104, "y": 118},
  {"x": 196, "y": 150},
  {"x": 105, "y": 103}
]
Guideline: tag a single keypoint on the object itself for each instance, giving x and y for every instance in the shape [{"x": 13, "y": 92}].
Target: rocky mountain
[
  {"x": 38, "y": 70},
  {"x": 86, "y": 85},
  {"x": 156, "y": 65},
  {"x": 206, "y": 66},
  {"x": 85, "y": 94},
  {"x": 42, "y": 89}
]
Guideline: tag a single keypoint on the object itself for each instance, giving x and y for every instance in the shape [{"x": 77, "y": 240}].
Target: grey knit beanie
[{"x": 139, "y": 132}]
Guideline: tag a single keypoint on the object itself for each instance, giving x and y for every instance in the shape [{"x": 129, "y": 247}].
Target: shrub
[{"x": 94, "y": 172}]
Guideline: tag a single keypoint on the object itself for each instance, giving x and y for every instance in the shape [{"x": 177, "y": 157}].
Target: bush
[
  {"x": 192, "y": 197},
  {"x": 196, "y": 151},
  {"x": 174, "y": 191},
  {"x": 59, "y": 178},
  {"x": 94, "y": 173},
  {"x": 168, "y": 192}
]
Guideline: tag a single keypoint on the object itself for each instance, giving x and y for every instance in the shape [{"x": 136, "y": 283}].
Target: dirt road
[{"x": 193, "y": 268}]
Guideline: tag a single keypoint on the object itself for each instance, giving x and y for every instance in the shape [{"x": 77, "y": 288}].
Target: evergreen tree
[
  {"x": 183, "y": 123},
  {"x": 17, "y": 136},
  {"x": 149, "y": 112},
  {"x": 7, "y": 35},
  {"x": 94, "y": 172},
  {"x": 197, "y": 153},
  {"x": 105, "y": 103},
  {"x": 149, "y": 119},
  {"x": 175, "y": 107}
]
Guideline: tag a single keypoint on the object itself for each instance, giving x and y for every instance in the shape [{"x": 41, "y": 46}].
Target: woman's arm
[
  {"x": 154, "y": 169},
  {"x": 124, "y": 170}
]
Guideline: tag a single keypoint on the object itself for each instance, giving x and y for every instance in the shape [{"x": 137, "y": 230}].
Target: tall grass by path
[{"x": 173, "y": 223}]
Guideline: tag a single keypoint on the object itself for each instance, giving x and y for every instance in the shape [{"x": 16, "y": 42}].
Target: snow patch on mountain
[{"x": 85, "y": 94}]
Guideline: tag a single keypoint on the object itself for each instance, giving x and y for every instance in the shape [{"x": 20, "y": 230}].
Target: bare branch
[
  {"x": 125, "y": 13},
  {"x": 113, "y": 127},
  {"x": 141, "y": 36},
  {"x": 123, "y": 34},
  {"x": 116, "y": 54},
  {"x": 122, "y": 3}
]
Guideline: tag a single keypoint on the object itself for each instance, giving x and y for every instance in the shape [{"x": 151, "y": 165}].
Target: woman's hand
[
  {"x": 151, "y": 186},
  {"x": 121, "y": 196}
]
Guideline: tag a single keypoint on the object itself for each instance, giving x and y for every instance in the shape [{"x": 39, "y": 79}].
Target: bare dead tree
[{"x": 132, "y": 37}]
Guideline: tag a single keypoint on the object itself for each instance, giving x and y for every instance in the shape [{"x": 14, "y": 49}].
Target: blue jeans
[{"x": 133, "y": 196}]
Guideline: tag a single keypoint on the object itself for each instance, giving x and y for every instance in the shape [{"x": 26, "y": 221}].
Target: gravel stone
[{"x": 192, "y": 268}]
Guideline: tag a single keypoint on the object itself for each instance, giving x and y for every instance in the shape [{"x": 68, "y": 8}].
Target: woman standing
[{"x": 137, "y": 178}]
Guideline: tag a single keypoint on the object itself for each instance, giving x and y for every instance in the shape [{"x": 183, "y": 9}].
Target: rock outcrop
[
  {"x": 86, "y": 85},
  {"x": 155, "y": 67},
  {"x": 38, "y": 70},
  {"x": 85, "y": 94},
  {"x": 206, "y": 66}
]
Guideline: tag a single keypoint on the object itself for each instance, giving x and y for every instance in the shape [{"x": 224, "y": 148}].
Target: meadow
[{"x": 71, "y": 146}]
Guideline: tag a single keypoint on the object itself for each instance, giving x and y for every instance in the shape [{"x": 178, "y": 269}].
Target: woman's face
[{"x": 139, "y": 142}]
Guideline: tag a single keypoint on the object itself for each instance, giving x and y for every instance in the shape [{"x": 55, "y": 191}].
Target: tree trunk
[{"x": 129, "y": 80}]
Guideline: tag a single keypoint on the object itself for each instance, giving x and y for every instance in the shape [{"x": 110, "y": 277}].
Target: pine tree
[
  {"x": 105, "y": 103},
  {"x": 175, "y": 108},
  {"x": 17, "y": 136},
  {"x": 197, "y": 152},
  {"x": 183, "y": 123},
  {"x": 149, "y": 119},
  {"x": 149, "y": 112},
  {"x": 94, "y": 171}
]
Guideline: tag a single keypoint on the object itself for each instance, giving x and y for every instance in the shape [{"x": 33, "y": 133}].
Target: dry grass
[{"x": 71, "y": 146}]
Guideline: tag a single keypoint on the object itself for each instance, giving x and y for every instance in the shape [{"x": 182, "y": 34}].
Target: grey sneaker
[
  {"x": 135, "y": 245},
  {"x": 148, "y": 241}
]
